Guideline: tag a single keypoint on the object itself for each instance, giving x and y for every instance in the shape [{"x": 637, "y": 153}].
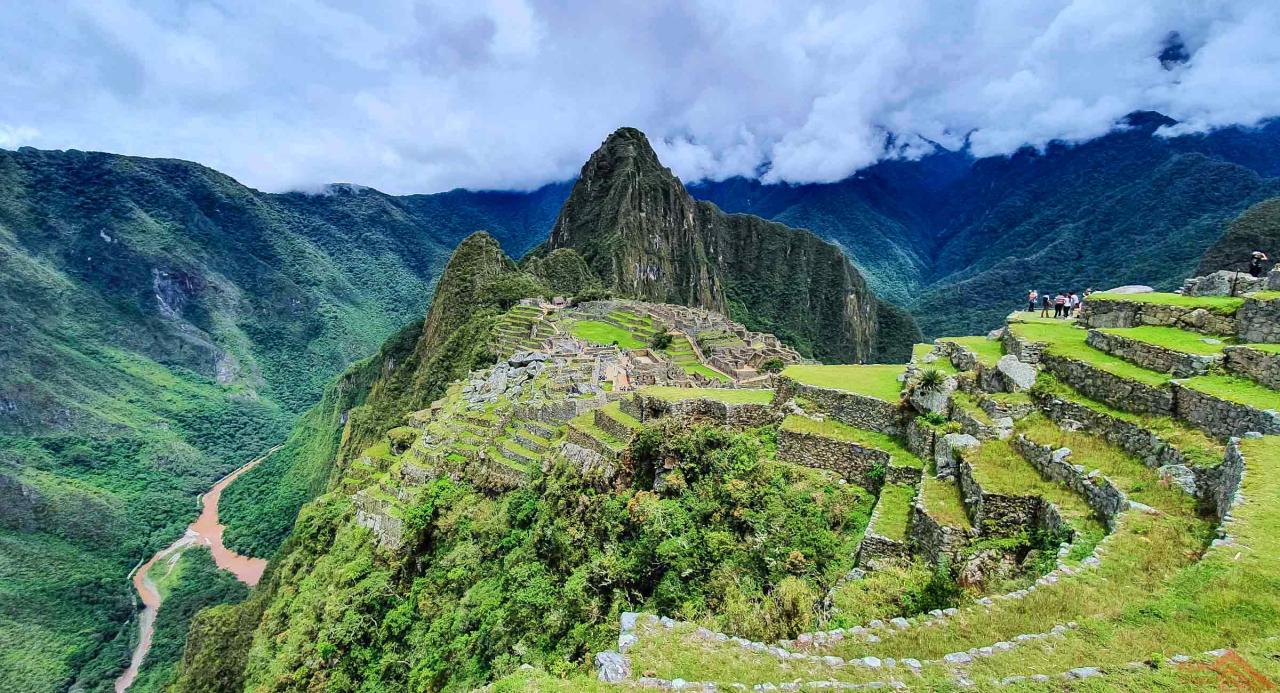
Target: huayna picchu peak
[{"x": 637, "y": 227}]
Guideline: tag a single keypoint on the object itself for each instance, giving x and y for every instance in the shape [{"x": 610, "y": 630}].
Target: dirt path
[{"x": 207, "y": 531}]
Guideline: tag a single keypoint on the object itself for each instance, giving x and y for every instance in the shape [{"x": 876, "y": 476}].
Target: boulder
[
  {"x": 1018, "y": 376},
  {"x": 1222, "y": 283},
  {"x": 612, "y": 667},
  {"x": 985, "y": 567},
  {"x": 1131, "y": 289},
  {"x": 933, "y": 400},
  {"x": 946, "y": 454}
]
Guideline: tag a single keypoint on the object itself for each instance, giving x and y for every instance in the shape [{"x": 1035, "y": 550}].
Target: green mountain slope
[
  {"x": 1258, "y": 228},
  {"x": 162, "y": 325},
  {"x": 640, "y": 230}
]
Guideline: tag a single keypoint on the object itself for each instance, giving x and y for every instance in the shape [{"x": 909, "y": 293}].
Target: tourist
[
  {"x": 1045, "y": 302},
  {"x": 1032, "y": 295},
  {"x": 1060, "y": 305},
  {"x": 1257, "y": 263},
  {"x": 1074, "y": 304}
]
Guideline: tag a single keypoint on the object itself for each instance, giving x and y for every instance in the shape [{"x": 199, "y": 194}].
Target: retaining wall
[
  {"x": 1222, "y": 418},
  {"x": 1134, "y": 313},
  {"x": 856, "y": 410},
  {"x": 1151, "y": 356},
  {"x": 848, "y": 459},
  {"x": 1259, "y": 320},
  {"x": 1121, "y": 393},
  {"x": 1259, "y": 366}
]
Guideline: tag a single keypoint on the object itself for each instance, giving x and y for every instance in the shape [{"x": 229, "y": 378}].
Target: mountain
[
  {"x": 637, "y": 227},
  {"x": 1258, "y": 228},
  {"x": 958, "y": 241},
  {"x": 163, "y": 324}
]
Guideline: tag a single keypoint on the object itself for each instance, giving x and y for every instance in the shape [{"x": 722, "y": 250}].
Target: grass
[
  {"x": 999, "y": 469},
  {"x": 942, "y": 365},
  {"x": 988, "y": 351},
  {"x": 719, "y": 394},
  {"x": 1236, "y": 389},
  {"x": 1268, "y": 348},
  {"x": 604, "y": 334},
  {"x": 967, "y": 402},
  {"x": 943, "y": 501},
  {"x": 707, "y": 371},
  {"x": 1170, "y": 338},
  {"x": 1067, "y": 341},
  {"x": 585, "y": 422},
  {"x": 1027, "y": 317},
  {"x": 879, "y": 381},
  {"x": 830, "y": 428},
  {"x": 614, "y": 411},
  {"x": 1265, "y": 295},
  {"x": 878, "y": 595},
  {"x": 894, "y": 511},
  {"x": 1222, "y": 305},
  {"x": 1194, "y": 444}
]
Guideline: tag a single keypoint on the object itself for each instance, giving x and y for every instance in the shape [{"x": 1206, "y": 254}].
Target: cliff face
[{"x": 640, "y": 230}]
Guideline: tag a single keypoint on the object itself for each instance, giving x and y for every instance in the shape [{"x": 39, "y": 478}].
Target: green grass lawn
[
  {"x": 1001, "y": 470},
  {"x": 879, "y": 381},
  {"x": 894, "y": 509},
  {"x": 1223, "y": 305},
  {"x": 1068, "y": 341},
  {"x": 707, "y": 371},
  {"x": 989, "y": 351},
  {"x": 614, "y": 411},
  {"x": 830, "y": 428},
  {"x": 1268, "y": 348},
  {"x": 605, "y": 334},
  {"x": 1235, "y": 389},
  {"x": 1034, "y": 318},
  {"x": 943, "y": 502},
  {"x": 1265, "y": 295},
  {"x": 1172, "y": 338},
  {"x": 719, "y": 394}
]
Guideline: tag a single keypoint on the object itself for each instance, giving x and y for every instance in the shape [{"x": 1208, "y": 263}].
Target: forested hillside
[
  {"x": 958, "y": 242},
  {"x": 162, "y": 325}
]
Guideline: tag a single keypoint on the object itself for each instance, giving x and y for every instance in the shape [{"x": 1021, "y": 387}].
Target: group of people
[{"x": 1066, "y": 304}]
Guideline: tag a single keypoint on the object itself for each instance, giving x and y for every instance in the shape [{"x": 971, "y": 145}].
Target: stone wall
[
  {"x": 1254, "y": 364},
  {"x": 1227, "y": 486},
  {"x": 646, "y": 407},
  {"x": 1098, "y": 492},
  {"x": 1024, "y": 350},
  {"x": 1110, "y": 313},
  {"x": 612, "y": 426},
  {"x": 877, "y": 548},
  {"x": 1151, "y": 356},
  {"x": 996, "y": 515},
  {"x": 1259, "y": 320},
  {"x": 1222, "y": 418},
  {"x": 856, "y": 410},
  {"x": 585, "y": 440},
  {"x": 850, "y": 460},
  {"x": 1153, "y": 450},
  {"x": 935, "y": 541},
  {"x": 920, "y": 438},
  {"x": 1099, "y": 385}
]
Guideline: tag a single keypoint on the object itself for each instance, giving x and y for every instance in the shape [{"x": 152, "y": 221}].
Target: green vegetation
[
  {"x": 1268, "y": 348},
  {"x": 660, "y": 341},
  {"x": 999, "y": 469},
  {"x": 829, "y": 428},
  {"x": 1235, "y": 389},
  {"x": 719, "y": 394},
  {"x": 884, "y": 593},
  {"x": 943, "y": 501},
  {"x": 1172, "y": 338},
  {"x": 988, "y": 351},
  {"x": 195, "y": 583},
  {"x": 1222, "y": 305},
  {"x": 1068, "y": 341},
  {"x": 603, "y": 333},
  {"x": 894, "y": 510},
  {"x": 880, "y": 382},
  {"x": 539, "y": 575}
]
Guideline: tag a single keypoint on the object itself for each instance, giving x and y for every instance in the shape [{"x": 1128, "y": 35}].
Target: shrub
[
  {"x": 773, "y": 365},
  {"x": 931, "y": 380},
  {"x": 660, "y": 341}
]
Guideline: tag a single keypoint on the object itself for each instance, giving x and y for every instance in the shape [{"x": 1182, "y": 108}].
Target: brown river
[{"x": 205, "y": 531}]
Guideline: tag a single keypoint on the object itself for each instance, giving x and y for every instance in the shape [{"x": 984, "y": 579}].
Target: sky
[{"x": 421, "y": 96}]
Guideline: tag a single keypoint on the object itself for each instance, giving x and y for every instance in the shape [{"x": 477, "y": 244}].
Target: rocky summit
[{"x": 635, "y": 224}]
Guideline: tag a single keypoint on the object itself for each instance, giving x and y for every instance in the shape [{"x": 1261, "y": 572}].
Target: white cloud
[{"x": 412, "y": 96}]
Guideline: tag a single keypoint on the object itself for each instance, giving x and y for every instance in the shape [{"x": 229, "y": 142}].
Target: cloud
[{"x": 416, "y": 96}]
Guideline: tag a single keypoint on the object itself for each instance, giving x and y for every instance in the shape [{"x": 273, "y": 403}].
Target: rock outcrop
[{"x": 637, "y": 227}]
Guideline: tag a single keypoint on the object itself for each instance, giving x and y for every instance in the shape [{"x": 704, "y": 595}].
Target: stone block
[
  {"x": 947, "y": 452},
  {"x": 1018, "y": 376}
]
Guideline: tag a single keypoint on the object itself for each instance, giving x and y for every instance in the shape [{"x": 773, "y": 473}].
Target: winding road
[{"x": 206, "y": 530}]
